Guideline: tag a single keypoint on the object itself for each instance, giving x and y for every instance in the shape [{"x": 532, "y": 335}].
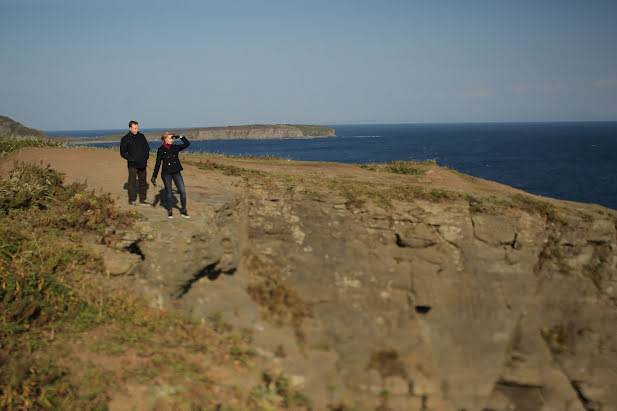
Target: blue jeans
[{"x": 179, "y": 181}]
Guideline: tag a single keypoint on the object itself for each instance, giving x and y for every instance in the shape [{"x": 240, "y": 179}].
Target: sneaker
[
  {"x": 170, "y": 214},
  {"x": 145, "y": 203},
  {"x": 132, "y": 203},
  {"x": 185, "y": 214}
]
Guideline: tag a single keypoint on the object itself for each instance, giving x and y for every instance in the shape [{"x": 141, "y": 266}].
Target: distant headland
[
  {"x": 250, "y": 132},
  {"x": 12, "y": 128}
]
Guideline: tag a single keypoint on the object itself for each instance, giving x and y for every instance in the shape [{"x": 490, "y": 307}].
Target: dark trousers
[
  {"x": 141, "y": 174},
  {"x": 179, "y": 181}
]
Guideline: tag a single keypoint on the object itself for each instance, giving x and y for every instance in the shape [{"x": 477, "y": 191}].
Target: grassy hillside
[
  {"x": 9, "y": 127},
  {"x": 70, "y": 338}
]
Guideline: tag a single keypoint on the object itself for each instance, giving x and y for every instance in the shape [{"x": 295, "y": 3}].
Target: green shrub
[{"x": 39, "y": 217}]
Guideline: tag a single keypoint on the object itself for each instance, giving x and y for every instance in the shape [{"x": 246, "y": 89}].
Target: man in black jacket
[{"x": 135, "y": 149}]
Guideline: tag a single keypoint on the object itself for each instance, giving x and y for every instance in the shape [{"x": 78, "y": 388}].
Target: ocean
[{"x": 574, "y": 161}]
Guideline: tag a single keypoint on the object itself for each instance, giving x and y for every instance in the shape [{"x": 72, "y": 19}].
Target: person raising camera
[{"x": 167, "y": 154}]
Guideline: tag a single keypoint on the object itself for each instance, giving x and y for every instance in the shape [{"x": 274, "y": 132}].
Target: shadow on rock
[
  {"x": 211, "y": 271},
  {"x": 161, "y": 198}
]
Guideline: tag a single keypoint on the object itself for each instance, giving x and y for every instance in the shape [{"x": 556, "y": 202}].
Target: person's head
[
  {"x": 134, "y": 127},
  {"x": 166, "y": 138}
]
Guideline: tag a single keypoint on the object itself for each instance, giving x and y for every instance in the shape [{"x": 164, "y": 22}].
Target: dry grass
[
  {"x": 398, "y": 167},
  {"x": 10, "y": 144},
  {"x": 227, "y": 170},
  {"x": 556, "y": 338},
  {"x": 281, "y": 304},
  {"x": 535, "y": 206},
  {"x": 388, "y": 363}
]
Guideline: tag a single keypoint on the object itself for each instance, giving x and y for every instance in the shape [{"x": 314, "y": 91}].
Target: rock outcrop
[
  {"x": 429, "y": 292},
  {"x": 437, "y": 302}
]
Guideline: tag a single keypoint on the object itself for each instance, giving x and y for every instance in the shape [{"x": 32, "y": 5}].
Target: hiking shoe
[
  {"x": 145, "y": 203},
  {"x": 132, "y": 203},
  {"x": 170, "y": 214},
  {"x": 184, "y": 214}
]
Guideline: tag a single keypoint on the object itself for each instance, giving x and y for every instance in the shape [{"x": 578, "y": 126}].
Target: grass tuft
[
  {"x": 397, "y": 167},
  {"x": 281, "y": 304},
  {"x": 556, "y": 338},
  {"x": 535, "y": 206},
  {"x": 387, "y": 363},
  {"x": 276, "y": 388}
]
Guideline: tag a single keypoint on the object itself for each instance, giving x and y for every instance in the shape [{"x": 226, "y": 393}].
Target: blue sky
[{"x": 88, "y": 65}]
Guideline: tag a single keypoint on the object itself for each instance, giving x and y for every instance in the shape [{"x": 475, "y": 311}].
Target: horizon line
[{"x": 352, "y": 124}]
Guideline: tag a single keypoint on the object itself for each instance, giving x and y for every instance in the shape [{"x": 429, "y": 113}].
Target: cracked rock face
[{"x": 440, "y": 305}]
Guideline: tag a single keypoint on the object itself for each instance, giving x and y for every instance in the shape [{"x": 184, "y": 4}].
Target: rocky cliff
[
  {"x": 429, "y": 290},
  {"x": 251, "y": 132},
  {"x": 258, "y": 131},
  {"x": 12, "y": 128}
]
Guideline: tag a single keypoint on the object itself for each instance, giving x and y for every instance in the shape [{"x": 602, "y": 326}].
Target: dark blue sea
[{"x": 574, "y": 161}]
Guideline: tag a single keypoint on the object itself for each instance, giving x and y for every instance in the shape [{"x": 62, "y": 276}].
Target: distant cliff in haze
[
  {"x": 258, "y": 131},
  {"x": 251, "y": 132},
  {"x": 12, "y": 128}
]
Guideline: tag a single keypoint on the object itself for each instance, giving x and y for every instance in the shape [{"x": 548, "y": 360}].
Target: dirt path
[{"x": 105, "y": 170}]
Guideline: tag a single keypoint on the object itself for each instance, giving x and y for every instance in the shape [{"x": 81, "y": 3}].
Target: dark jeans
[
  {"x": 141, "y": 174},
  {"x": 179, "y": 181}
]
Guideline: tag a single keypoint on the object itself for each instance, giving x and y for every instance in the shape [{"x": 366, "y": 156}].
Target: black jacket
[
  {"x": 135, "y": 149},
  {"x": 169, "y": 158}
]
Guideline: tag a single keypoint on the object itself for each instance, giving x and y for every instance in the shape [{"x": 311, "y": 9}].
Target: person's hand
[{"x": 153, "y": 180}]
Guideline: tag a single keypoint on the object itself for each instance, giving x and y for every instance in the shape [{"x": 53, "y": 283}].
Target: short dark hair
[{"x": 132, "y": 122}]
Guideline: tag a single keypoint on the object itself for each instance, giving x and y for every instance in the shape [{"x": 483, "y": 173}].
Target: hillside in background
[
  {"x": 247, "y": 132},
  {"x": 12, "y": 128}
]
